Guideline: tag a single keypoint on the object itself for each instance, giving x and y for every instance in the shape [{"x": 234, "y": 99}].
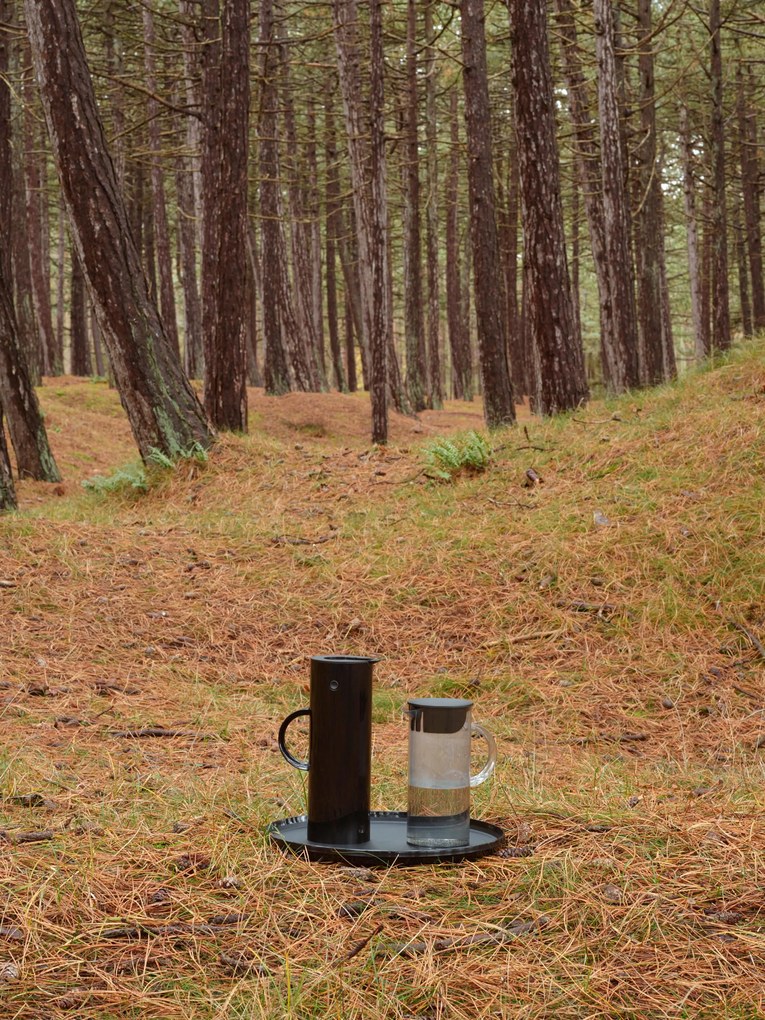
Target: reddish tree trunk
[
  {"x": 161, "y": 406},
  {"x": 456, "y": 316},
  {"x": 499, "y": 408},
  {"x": 28, "y": 436},
  {"x": 226, "y": 106},
  {"x": 332, "y": 202},
  {"x": 750, "y": 193},
  {"x": 621, "y": 370},
  {"x": 721, "y": 334},
  {"x": 560, "y": 381},
  {"x": 435, "y": 384},
  {"x": 78, "y": 323},
  {"x": 657, "y": 343},
  {"x": 414, "y": 322}
]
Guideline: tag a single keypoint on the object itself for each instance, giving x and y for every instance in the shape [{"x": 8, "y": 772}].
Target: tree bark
[
  {"x": 414, "y": 321},
  {"x": 189, "y": 193},
  {"x": 332, "y": 205},
  {"x": 560, "y": 381},
  {"x": 226, "y": 107},
  {"x": 38, "y": 264},
  {"x": 750, "y": 193},
  {"x": 657, "y": 343},
  {"x": 301, "y": 233},
  {"x": 163, "y": 411},
  {"x": 721, "y": 333},
  {"x": 283, "y": 336},
  {"x": 691, "y": 233},
  {"x": 78, "y": 323},
  {"x": 159, "y": 205},
  {"x": 368, "y": 178},
  {"x": 587, "y": 153},
  {"x": 456, "y": 317},
  {"x": 435, "y": 383},
  {"x": 499, "y": 408},
  {"x": 621, "y": 369},
  {"x": 28, "y": 436},
  {"x": 7, "y": 490}
]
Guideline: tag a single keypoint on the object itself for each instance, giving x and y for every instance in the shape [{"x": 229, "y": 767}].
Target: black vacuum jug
[{"x": 339, "y": 762}]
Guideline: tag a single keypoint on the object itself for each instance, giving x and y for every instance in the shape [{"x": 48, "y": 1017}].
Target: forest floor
[{"x": 608, "y": 623}]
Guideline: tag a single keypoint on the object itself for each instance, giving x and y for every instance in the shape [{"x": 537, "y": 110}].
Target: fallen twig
[
  {"x": 358, "y": 946},
  {"x": 286, "y": 540},
  {"x": 578, "y": 606},
  {"x": 140, "y": 931},
  {"x": 27, "y": 837},
  {"x": 511, "y": 502},
  {"x": 489, "y": 938},
  {"x": 156, "y": 731},
  {"x": 597, "y": 421},
  {"x": 753, "y": 640}
]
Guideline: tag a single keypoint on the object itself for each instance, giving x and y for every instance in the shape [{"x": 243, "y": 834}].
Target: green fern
[
  {"x": 446, "y": 458},
  {"x": 130, "y": 479}
]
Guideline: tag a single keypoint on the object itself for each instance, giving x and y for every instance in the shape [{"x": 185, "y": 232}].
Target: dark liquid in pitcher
[{"x": 438, "y": 817}]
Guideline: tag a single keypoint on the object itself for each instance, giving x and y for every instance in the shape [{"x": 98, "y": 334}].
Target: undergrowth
[
  {"x": 449, "y": 456},
  {"x": 599, "y": 594}
]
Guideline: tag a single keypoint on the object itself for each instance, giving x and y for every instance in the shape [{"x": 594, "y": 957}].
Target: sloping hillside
[{"x": 608, "y": 620}]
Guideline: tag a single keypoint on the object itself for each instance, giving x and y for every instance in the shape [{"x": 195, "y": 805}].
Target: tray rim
[{"x": 362, "y": 854}]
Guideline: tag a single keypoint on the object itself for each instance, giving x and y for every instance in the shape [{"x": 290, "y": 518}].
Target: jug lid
[{"x": 439, "y": 715}]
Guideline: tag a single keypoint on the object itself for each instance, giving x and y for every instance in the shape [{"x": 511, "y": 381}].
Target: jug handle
[
  {"x": 283, "y": 732},
  {"x": 488, "y": 768}
]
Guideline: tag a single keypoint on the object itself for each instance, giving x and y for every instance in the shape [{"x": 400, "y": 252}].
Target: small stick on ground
[
  {"x": 358, "y": 946},
  {"x": 156, "y": 731},
  {"x": 753, "y": 640},
  {"x": 489, "y": 938},
  {"x": 27, "y": 837},
  {"x": 286, "y": 540}
]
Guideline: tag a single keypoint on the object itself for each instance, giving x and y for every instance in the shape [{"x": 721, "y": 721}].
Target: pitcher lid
[
  {"x": 438, "y": 715},
  {"x": 440, "y": 703}
]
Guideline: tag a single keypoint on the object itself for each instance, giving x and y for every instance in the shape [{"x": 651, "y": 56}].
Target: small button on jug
[{"x": 439, "y": 771}]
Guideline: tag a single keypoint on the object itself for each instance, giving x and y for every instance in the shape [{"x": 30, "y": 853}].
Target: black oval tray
[{"x": 386, "y": 845}]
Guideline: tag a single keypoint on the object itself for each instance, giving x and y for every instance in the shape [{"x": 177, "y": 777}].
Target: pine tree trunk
[
  {"x": 163, "y": 411},
  {"x": 750, "y": 193},
  {"x": 332, "y": 205},
  {"x": 657, "y": 343},
  {"x": 745, "y": 303},
  {"x": 60, "y": 284},
  {"x": 721, "y": 333},
  {"x": 350, "y": 352},
  {"x": 499, "y": 408},
  {"x": 435, "y": 384},
  {"x": 226, "y": 107},
  {"x": 369, "y": 194},
  {"x": 456, "y": 318},
  {"x": 7, "y": 490},
  {"x": 189, "y": 194},
  {"x": 705, "y": 279},
  {"x": 414, "y": 322},
  {"x": 691, "y": 233},
  {"x": 78, "y": 323},
  {"x": 17, "y": 396},
  {"x": 560, "y": 381},
  {"x": 587, "y": 154},
  {"x": 280, "y": 325},
  {"x": 300, "y": 236},
  {"x": 314, "y": 233},
  {"x": 621, "y": 369},
  {"x": 38, "y": 266},
  {"x": 159, "y": 205}
]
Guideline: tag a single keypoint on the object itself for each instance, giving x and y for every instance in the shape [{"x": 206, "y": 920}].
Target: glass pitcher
[{"x": 440, "y": 730}]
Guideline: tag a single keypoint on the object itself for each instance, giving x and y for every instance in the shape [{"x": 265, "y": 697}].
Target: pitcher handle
[
  {"x": 488, "y": 768},
  {"x": 282, "y": 734}
]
